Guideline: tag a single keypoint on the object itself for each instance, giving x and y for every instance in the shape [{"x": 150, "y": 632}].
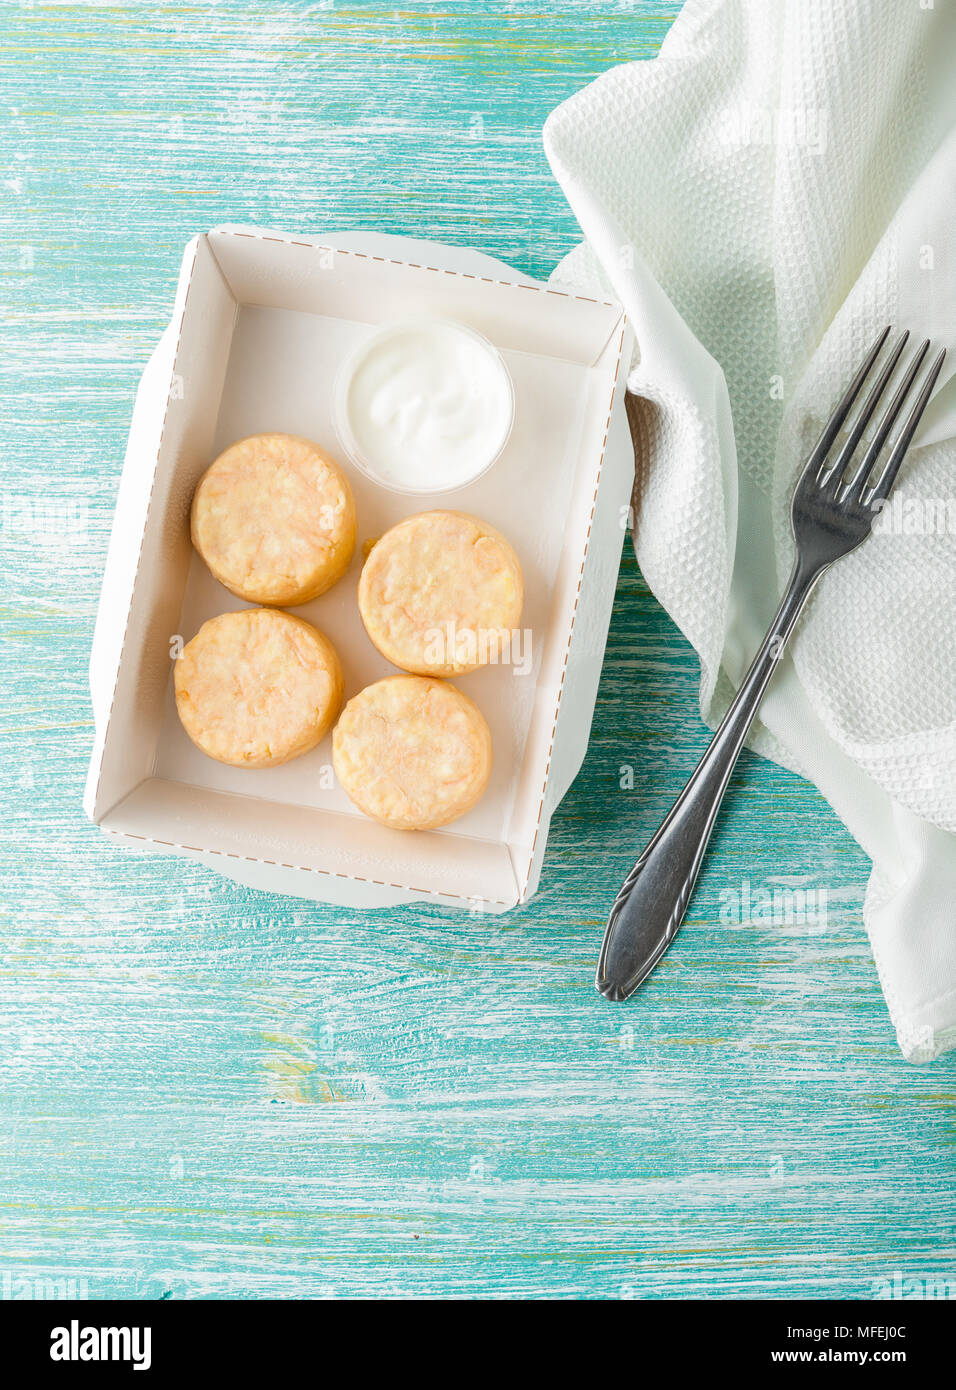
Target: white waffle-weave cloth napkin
[{"x": 764, "y": 196}]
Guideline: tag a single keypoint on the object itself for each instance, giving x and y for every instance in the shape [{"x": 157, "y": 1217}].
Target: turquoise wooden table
[{"x": 208, "y": 1091}]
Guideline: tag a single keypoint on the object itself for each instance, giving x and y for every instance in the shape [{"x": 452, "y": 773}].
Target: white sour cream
[{"x": 425, "y": 406}]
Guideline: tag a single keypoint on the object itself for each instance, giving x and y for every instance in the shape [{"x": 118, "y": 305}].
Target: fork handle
[{"x": 654, "y": 896}]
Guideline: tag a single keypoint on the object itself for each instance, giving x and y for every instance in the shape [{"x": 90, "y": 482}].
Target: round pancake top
[
  {"x": 272, "y": 517},
  {"x": 412, "y": 751},
  {"x": 440, "y": 593},
  {"x": 257, "y": 687}
]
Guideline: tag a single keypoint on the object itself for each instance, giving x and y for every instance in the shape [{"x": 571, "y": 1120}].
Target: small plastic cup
[{"x": 411, "y": 328}]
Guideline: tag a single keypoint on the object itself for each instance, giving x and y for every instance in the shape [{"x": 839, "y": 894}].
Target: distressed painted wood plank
[{"x": 211, "y": 1091}]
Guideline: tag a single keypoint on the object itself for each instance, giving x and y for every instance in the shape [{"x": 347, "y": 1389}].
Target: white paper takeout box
[{"x": 261, "y": 322}]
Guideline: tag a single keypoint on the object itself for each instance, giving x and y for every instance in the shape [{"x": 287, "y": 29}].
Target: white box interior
[{"x": 265, "y": 323}]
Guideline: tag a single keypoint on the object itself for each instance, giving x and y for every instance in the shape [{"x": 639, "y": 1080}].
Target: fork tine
[
  {"x": 890, "y": 415},
  {"x": 880, "y": 491},
  {"x": 835, "y": 423},
  {"x": 870, "y": 404}
]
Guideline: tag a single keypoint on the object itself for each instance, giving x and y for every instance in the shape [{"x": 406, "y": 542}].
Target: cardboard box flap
[
  {"x": 171, "y": 815},
  {"x": 310, "y": 276}
]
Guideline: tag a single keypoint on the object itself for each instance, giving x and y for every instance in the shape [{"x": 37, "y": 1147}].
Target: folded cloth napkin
[{"x": 763, "y": 197}]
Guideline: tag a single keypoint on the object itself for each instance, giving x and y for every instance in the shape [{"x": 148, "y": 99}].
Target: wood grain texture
[{"x": 208, "y": 1091}]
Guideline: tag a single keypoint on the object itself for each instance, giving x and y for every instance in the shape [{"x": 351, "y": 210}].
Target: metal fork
[{"x": 834, "y": 506}]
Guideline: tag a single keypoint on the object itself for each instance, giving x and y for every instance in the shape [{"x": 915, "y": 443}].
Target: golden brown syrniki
[
  {"x": 274, "y": 519},
  {"x": 257, "y": 687},
  {"x": 441, "y": 593},
  {"x": 411, "y": 752}
]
